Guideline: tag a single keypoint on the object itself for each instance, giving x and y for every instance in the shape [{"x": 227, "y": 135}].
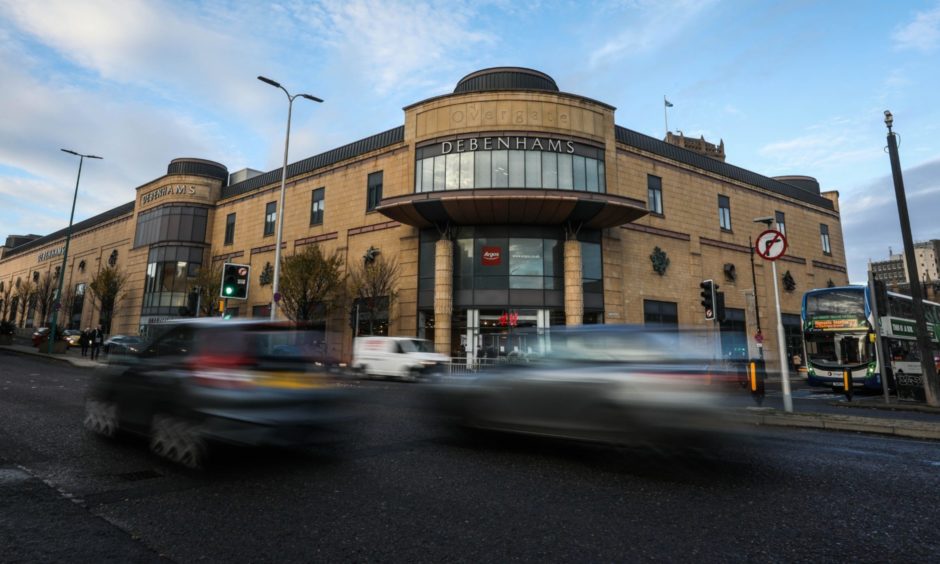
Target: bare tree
[
  {"x": 45, "y": 295},
  {"x": 107, "y": 288},
  {"x": 311, "y": 283},
  {"x": 209, "y": 281},
  {"x": 6, "y": 293},
  {"x": 67, "y": 302},
  {"x": 24, "y": 296},
  {"x": 373, "y": 287}
]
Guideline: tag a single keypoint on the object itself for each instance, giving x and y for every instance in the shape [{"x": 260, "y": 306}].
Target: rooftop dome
[{"x": 505, "y": 78}]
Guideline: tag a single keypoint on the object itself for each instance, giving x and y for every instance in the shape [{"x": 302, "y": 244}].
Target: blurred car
[
  {"x": 612, "y": 384},
  {"x": 40, "y": 336},
  {"x": 122, "y": 344},
  {"x": 73, "y": 337},
  {"x": 205, "y": 381}
]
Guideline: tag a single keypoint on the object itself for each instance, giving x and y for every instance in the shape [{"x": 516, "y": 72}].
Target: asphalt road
[{"x": 399, "y": 488}]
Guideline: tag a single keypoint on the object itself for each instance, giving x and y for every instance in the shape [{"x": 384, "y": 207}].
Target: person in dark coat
[
  {"x": 84, "y": 340},
  {"x": 97, "y": 340}
]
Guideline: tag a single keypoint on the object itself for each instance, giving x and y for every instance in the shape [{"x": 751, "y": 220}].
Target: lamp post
[
  {"x": 928, "y": 368},
  {"x": 65, "y": 253},
  {"x": 781, "y": 340},
  {"x": 280, "y": 206},
  {"x": 760, "y": 345}
]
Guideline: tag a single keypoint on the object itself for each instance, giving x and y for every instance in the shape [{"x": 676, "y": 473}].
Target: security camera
[{"x": 765, "y": 220}]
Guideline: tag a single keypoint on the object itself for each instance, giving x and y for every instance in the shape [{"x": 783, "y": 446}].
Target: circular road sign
[
  {"x": 242, "y": 271},
  {"x": 771, "y": 244}
]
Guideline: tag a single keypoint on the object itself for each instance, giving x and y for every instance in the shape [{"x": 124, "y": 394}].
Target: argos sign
[{"x": 491, "y": 256}]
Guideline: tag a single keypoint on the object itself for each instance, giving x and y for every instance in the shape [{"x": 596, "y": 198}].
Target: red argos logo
[{"x": 492, "y": 256}]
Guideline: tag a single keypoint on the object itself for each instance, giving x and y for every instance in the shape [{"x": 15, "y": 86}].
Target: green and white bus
[{"x": 839, "y": 334}]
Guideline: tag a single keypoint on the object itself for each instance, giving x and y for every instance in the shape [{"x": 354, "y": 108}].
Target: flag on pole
[{"x": 668, "y": 103}]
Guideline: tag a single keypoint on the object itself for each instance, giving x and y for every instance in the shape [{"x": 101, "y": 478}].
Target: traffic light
[
  {"x": 719, "y": 306},
  {"x": 235, "y": 281},
  {"x": 708, "y": 298}
]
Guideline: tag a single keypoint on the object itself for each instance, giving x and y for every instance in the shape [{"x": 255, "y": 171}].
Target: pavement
[{"x": 865, "y": 414}]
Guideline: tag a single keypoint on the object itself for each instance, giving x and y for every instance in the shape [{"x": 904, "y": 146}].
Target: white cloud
[
  {"x": 395, "y": 44},
  {"x": 922, "y": 34},
  {"x": 156, "y": 48},
  {"x": 649, "y": 25},
  {"x": 870, "y": 218}
]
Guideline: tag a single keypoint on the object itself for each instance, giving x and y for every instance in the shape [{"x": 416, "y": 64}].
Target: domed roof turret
[{"x": 505, "y": 78}]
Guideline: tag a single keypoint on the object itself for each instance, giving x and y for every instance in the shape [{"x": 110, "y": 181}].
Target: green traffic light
[{"x": 229, "y": 290}]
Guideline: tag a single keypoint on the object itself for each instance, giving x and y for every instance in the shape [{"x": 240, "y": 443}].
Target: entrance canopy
[{"x": 513, "y": 207}]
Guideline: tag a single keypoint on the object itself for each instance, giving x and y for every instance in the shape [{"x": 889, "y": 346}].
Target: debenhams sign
[
  {"x": 507, "y": 142},
  {"x": 172, "y": 190}
]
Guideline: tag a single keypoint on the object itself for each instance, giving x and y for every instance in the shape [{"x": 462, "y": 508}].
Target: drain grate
[{"x": 139, "y": 475}]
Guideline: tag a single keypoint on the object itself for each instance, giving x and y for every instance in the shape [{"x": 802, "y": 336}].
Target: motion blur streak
[
  {"x": 614, "y": 384},
  {"x": 201, "y": 382}
]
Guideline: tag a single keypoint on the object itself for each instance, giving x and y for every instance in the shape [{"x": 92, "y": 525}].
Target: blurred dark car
[
  {"x": 40, "y": 336},
  {"x": 604, "y": 383},
  {"x": 206, "y": 381},
  {"x": 73, "y": 337},
  {"x": 122, "y": 344}
]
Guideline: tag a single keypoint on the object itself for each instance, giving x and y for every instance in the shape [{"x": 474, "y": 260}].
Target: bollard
[
  {"x": 756, "y": 374},
  {"x": 847, "y": 384}
]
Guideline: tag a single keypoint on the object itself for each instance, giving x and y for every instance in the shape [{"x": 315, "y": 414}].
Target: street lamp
[
  {"x": 781, "y": 341},
  {"x": 65, "y": 253},
  {"x": 928, "y": 368},
  {"x": 280, "y": 206}
]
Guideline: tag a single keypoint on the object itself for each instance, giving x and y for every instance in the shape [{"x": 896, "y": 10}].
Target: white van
[{"x": 408, "y": 358}]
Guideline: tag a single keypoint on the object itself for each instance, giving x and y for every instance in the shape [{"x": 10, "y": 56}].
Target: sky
[{"x": 792, "y": 87}]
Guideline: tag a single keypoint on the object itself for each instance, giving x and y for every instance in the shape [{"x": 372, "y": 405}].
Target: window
[
  {"x": 724, "y": 212},
  {"x": 660, "y": 313},
  {"x": 171, "y": 223},
  {"x": 510, "y": 167},
  {"x": 781, "y": 222},
  {"x": 230, "y": 229},
  {"x": 270, "y": 218},
  {"x": 316, "y": 206},
  {"x": 654, "y": 191},
  {"x": 824, "y": 237},
  {"x": 374, "y": 193}
]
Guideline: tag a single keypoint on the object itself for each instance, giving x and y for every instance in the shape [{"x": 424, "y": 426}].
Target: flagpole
[{"x": 666, "y": 114}]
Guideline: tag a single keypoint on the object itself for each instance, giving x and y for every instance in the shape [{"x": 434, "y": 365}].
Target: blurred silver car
[
  {"x": 613, "y": 384},
  {"x": 206, "y": 381}
]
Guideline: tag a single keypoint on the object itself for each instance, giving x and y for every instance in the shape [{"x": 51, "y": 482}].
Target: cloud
[
  {"x": 827, "y": 149},
  {"x": 395, "y": 44},
  {"x": 922, "y": 34},
  {"x": 155, "y": 48},
  {"x": 870, "y": 221},
  {"x": 650, "y": 24}
]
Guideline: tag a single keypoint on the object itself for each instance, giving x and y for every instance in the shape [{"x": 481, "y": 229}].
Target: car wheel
[
  {"x": 179, "y": 441},
  {"x": 414, "y": 375},
  {"x": 101, "y": 417}
]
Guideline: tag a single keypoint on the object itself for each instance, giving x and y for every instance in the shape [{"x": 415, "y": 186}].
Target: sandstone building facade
[{"x": 511, "y": 207}]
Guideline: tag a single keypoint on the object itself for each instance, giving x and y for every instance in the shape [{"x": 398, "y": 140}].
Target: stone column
[
  {"x": 574, "y": 289},
  {"x": 443, "y": 294}
]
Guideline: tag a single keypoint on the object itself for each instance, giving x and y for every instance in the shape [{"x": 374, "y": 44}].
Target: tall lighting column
[
  {"x": 275, "y": 297},
  {"x": 65, "y": 252},
  {"x": 928, "y": 368}
]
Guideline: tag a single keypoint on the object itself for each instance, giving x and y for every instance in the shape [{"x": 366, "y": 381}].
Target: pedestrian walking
[
  {"x": 84, "y": 340},
  {"x": 97, "y": 339}
]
